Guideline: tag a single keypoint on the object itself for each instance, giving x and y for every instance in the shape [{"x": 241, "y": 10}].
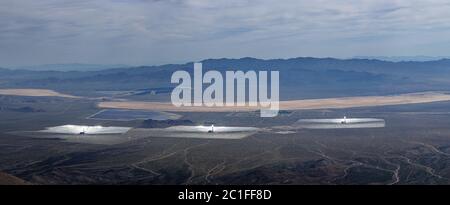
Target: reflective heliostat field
[{"x": 339, "y": 123}]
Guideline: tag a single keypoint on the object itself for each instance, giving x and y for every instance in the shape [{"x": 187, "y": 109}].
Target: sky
[{"x": 152, "y": 32}]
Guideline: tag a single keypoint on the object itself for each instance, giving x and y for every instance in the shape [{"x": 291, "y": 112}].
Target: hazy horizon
[{"x": 87, "y": 65}]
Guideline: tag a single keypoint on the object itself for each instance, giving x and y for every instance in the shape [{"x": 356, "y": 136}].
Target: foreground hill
[{"x": 7, "y": 179}]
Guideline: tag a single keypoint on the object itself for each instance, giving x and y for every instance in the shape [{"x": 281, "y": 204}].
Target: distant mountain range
[
  {"x": 403, "y": 58},
  {"x": 69, "y": 67},
  {"x": 299, "y": 77}
]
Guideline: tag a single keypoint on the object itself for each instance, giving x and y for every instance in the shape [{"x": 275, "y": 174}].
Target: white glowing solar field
[
  {"x": 81, "y": 134},
  {"x": 85, "y": 130},
  {"x": 215, "y": 129},
  {"x": 340, "y": 123},
  {"x": 205, "y": 132},
  {"x": 113, "y": 135}
]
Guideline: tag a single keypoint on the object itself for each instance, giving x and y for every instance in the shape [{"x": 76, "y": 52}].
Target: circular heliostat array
[
  {"x": 339, "y": 123},
  {"x": 84, "y": 129}
]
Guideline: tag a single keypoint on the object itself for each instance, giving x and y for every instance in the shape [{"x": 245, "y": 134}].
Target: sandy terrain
[
  {"x": 366, "y": 101},
  {"x": 325, "y": 103},
  {"x": 34, "y": 93}
]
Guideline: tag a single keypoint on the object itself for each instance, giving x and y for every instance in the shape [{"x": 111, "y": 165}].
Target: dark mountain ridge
[{"x": 301, "y": 75}]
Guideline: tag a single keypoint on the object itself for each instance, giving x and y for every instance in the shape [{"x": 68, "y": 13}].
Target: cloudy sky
[{"x": 138, "y": 32}]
